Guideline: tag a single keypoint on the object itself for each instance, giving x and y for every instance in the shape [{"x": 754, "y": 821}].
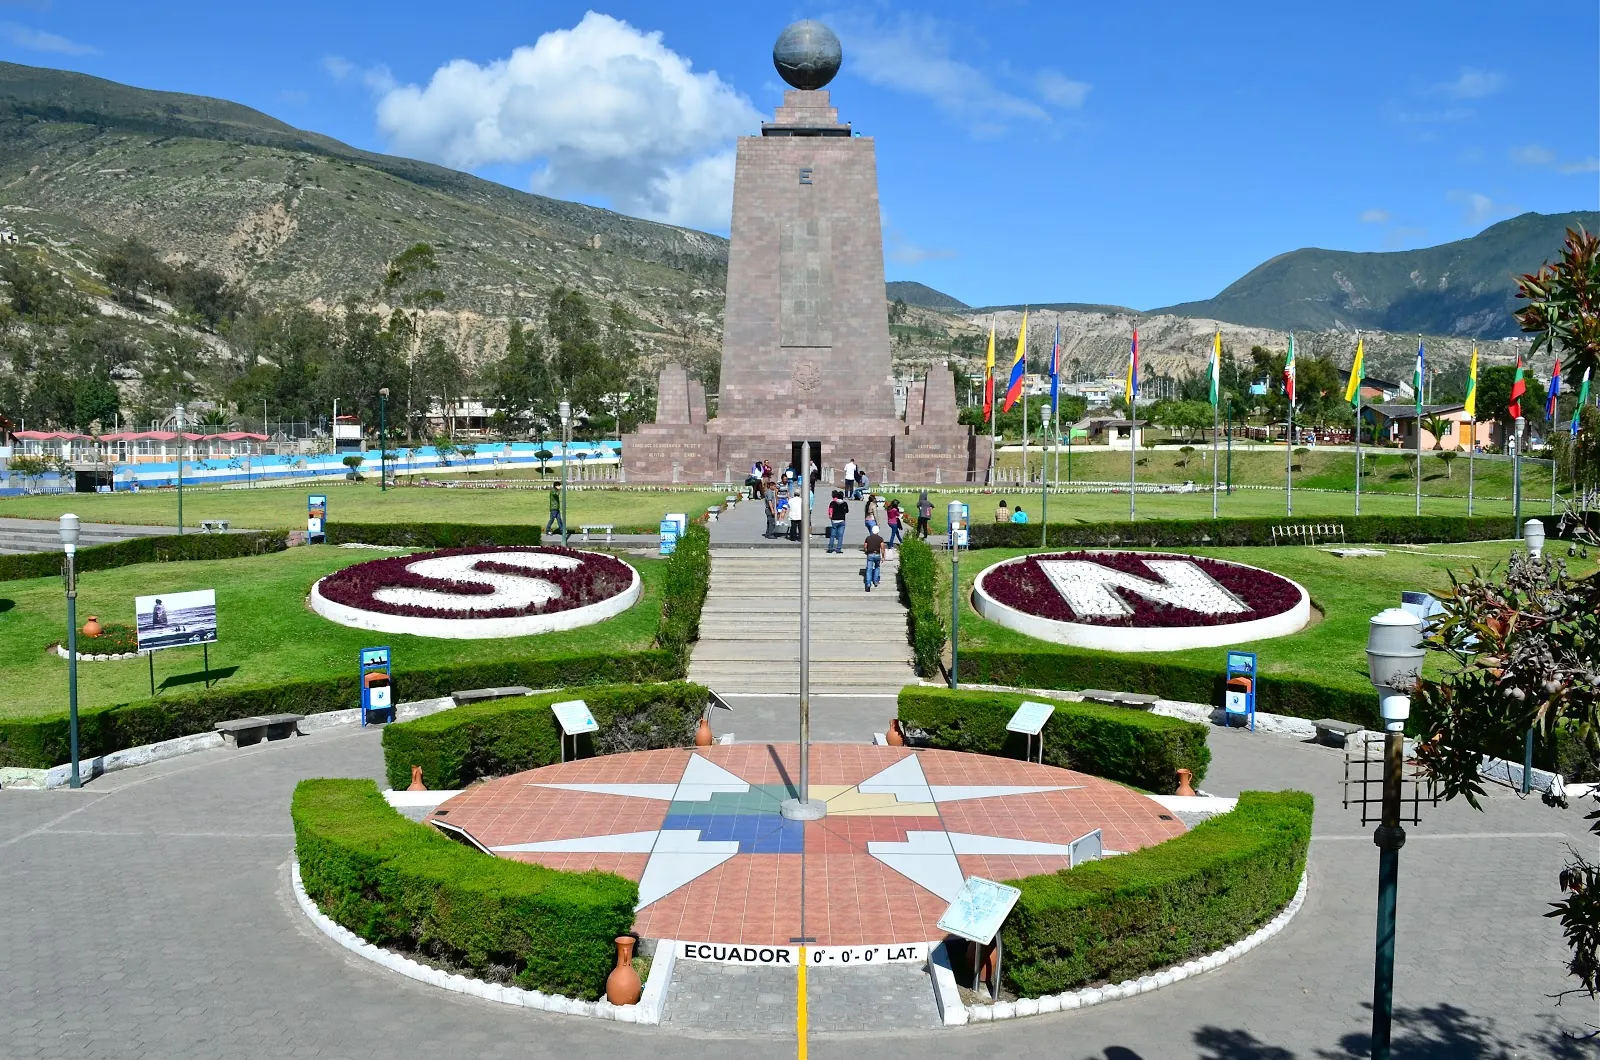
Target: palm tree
[{"x": 1438, "y": 426}]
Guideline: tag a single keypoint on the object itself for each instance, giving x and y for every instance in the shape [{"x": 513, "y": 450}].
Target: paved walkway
[
  {"x": 148, "y": 916},
  {"x": 44, "y": 535}
]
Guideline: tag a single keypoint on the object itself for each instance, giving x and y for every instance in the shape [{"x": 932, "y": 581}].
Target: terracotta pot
[
  {"x": 702, "y": 734},
  {"x": 622, "y": 985},
  {"x": 416, "y": 780},
  {"x": 91, "y": 628},
  {"x": 896, "y": 738},
  {"x": 1184, "y": 776}
]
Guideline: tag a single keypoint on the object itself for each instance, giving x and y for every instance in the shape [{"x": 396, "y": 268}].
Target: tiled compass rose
[{"x": 701, "y": 833}]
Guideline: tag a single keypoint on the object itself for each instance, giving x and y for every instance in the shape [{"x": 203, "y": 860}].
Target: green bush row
[
  {"x": 42, "y": 741},
  {"x": 1059, "y": 666},
  {"x": 432, "y": 535},
  {"x": 923, "y": 622},
  {"x": 1124, "y": 917},
  {"x": 456, "y": 747},
  {"x": 162, "y": 549},
  {"x": 1178, "y": 533},
  {"x": 1119, "y": 743},
  {"x": 683, "y": 592},
  {"x": 402, "y": 885}
]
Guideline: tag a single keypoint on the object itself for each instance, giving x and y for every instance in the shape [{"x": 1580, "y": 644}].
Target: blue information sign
[
  {"x": 316, "y": 518},
  {"x": 377, "y": 685},
  {"x": 1239, "y": 689}
]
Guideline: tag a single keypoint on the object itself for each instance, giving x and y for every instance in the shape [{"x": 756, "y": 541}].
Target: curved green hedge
[
  {"x": 402, "y": 885},
  {"x": 1171, "y": 533},
  {"x": 1123, "y": 917},
  {"x": 923, "y": 622},
  {"x": 683, "y": 593},
  {"x": 434, "y": 535},
  {"x": 1119, "y": 743},
  {"x": 501, "y": 736},
  {"x": 167, "y": 548}
]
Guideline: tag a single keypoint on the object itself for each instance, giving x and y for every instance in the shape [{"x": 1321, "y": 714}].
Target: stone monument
[{"x": 805, "y": 344}]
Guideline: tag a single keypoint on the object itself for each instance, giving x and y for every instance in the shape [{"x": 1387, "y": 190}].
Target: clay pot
[
  {"x": 702, "y": 734},
  {"x": 895, "y": 737},
  {"x": 622, "y": 985},
  {"x": 1184, "y": 776},
  {"x": 416, "y": 780},
  {"x": 91, "y": 628}
]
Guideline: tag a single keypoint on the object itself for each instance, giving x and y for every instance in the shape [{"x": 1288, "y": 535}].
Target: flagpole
[
  {"x": 1358, "y": 448},
  {"x": 1419, "y": 377},
  {"x": 1024, "y": 421},
  {"x": 1472, "y": 445},
  {"x": 1214, "y": 407},
  {"x": 1288, "y": 438}
]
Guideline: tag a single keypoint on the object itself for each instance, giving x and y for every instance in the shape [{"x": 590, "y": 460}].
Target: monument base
[{"x": 810, "y": 810}]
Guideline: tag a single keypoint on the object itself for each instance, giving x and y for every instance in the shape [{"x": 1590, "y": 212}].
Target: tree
[
  {"x": 36, "y": 293},
  {"x": 204, "y": 294},
  {"x": 1437, "y": 426},
  {"x": 897, "y": 311},
  {"x": 129, "y": 267},
  {"x": 443, "y": 376},
  {"x": 94, "y": 400},
  {"x": 352, "y": 462},
  {"x": 576, "y": 349},
  {"x": 1449, "y": 457},
  {"x": 1563, "y": 307}
]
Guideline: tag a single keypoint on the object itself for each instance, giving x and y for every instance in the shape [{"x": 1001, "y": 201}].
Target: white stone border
[
  {"x": 647, "y": 1011},
  {"x": 479, "y": 628},
  {"x": 1140, "y": 638},
  {"x": 98, "y": 657},
  {"x": 1094, "y": 995}
]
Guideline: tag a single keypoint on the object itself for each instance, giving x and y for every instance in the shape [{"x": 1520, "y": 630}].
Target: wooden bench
[
  {"x": 1328, "y": 727},
  {"x": 213, "y": 526},
  {"x": 607, "y": 527},
  {"x": 242, "y": 732},
  {"x": 478, "y": 695}
]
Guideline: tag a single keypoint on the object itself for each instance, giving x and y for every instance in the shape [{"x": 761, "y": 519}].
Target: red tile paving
[{"x": 850, "y": 896}]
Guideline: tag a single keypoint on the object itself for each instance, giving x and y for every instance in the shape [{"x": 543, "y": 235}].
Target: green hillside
[
  {"x": 920, "y": 294},
  {"x": 1460, "y": 288}
]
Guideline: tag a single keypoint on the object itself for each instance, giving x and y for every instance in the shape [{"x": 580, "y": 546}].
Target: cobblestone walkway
[{"x": 761, "y": 1001}]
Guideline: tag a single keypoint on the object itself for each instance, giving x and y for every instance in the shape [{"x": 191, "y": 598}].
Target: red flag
[{"x": 1518, "y": 388}]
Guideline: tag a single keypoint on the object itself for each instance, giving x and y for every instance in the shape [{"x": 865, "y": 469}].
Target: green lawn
[
  {"x": 266, "y": 633},
  {"x": 1347, "y": 592},
  {"x": 284, "y": 508}
]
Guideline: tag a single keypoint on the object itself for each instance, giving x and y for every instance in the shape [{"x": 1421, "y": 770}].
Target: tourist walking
[
  {"x": 872, "y": 572},
  {"x": 869, "y": 514},
  {"x": 838, "y": 508},
  {"x": 796, "y": 513},
  {"x": 850, "y": 476},
  {"x": 924, "y": 515},
  {"x": 771, "y": 504},
  {"x": 557, "y": 523},
  {"x": 894, "y": 517}
]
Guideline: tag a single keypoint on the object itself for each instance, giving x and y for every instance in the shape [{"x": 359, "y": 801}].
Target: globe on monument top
[{"x": 807, "y": 55}]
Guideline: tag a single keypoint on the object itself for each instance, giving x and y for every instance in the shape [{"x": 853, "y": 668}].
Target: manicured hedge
[
  {"x": 456, "y": 747},
  {"x": 1171, "y": 533},
  {"x": 1120, "y": 743},
  {"x": 42, "y": 741},
  {"x": 402, "y": 885},
  {"x": 1124, "y": 917},
  {"x": 432, "y": 535},
  {"x": 683, "y": 593},
  {"x": 923, "y": 622},
  {"x": 163, "y": 549}
]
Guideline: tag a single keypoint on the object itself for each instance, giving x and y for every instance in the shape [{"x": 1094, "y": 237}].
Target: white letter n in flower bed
[{"x": 1087, "y": 588}]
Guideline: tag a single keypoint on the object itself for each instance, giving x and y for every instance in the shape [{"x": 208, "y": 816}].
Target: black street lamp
[
  {"x": 565, "y": 409},
  {"x": 180, "y": 469},
  {"x": 1394, "y": 662},
  {"x": 69, "y": 545},
  {"x": 383, "y": 439}
]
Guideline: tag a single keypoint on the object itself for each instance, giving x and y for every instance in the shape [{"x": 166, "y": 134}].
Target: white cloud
[
  {"x": 1478, "y": 208},
  {"x": 1471, "y": 84},
  {"x": 1374, "y": 217},
  {"x": 904, "y": 252},
  {"x": 606, "y": 110},
  {"x": 36, "y": 40},
  {"x": 337, "y": 67},
  {"x": 1583, "y": 165},
  {"x": 1532, "y": 155},
  {"x": 913, "y": 54}
]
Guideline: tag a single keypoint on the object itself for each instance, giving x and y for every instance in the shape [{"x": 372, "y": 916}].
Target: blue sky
[{"x": 1135, "y": 153}]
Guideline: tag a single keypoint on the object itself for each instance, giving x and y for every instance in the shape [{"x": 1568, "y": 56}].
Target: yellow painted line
[{"x": 800, "y": 1009}]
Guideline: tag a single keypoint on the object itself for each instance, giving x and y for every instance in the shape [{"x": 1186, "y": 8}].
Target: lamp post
[
  {"x": 1044, "y": 479},
  {"x": 803, "y": 807},
  {"x": 1533, "y": 538},
  {"x": 953, "y": 517},
  {"x": 1394, "y": 661},
  {"x": 180, "y": 469},
  {"x": 565, "y": 409},
  {"x": 69, "y": 545},
  {"x": 383, "y": 439}
]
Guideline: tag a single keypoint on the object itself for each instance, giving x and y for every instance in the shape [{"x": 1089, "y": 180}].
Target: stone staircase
[
  {"x": 750, "y": 628},
  {"x": 43, "y": 535}
]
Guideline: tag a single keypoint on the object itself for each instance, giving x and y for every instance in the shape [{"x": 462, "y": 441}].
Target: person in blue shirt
[{"x": 1018, "y": 515}]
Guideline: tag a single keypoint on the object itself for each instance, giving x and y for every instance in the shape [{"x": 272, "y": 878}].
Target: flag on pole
[
  {"x": 1519, "y": 387},
  {"x": 1555, "y": 388},
  {"x": 1055, "y": 369},
  {"x": 1216, "y": 367},
  {"x": 1352, "y": 389},
  {"x": 1471, "y": 404},
  {"x": 1417, "y": 375},
  {"x": 1583, "y": 398},
  {"x": 988, "y": 378},
  {"x": 1131, "y": 387},
  {"x": 1288, "y": 371},
  {"x": 1019, "y": 366}
]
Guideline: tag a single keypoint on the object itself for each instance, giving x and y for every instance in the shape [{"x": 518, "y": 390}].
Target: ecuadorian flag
[{"x": 1019, "y": 366}]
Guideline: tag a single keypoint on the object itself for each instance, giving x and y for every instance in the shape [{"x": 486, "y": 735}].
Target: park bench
[
  {"x": 477, "y": 695},
  {"x": 1328, "y": 727},
  {"x": 242, "y": 732},
  {"x": 1121, "y": 699},
  {"x": 607, "y": 527},
  {"x": 213, "y": 526}
]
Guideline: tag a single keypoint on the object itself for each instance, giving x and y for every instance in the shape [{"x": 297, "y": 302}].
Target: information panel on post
[
  {"x": 316, "y": 518},
  {"x": 1029, "y": 720},
  {"x": 377, "y": 686},
  {"x": 574, "y": 717},
  {"x": 1239, "y": 695}
]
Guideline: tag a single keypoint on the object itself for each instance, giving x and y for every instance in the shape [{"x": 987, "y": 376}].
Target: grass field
[
  {"x": 1347, "y": 591},
  {"x": 636, "y": 510},
  {"x": 266, "y": 633}
]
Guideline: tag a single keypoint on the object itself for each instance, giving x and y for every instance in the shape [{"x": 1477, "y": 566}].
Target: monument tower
[{"x": 805, "y": 343}]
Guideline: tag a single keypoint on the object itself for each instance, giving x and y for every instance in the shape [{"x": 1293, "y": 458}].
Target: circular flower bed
[
  {"x": 470, "y": 593},
  {"x": 1139, "y": 601}
]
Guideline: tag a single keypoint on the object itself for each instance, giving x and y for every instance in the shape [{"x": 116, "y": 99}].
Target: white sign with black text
[{"x": 816, "y": 956}]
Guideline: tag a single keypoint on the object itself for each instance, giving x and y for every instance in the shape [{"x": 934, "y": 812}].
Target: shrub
[
  {"x": 594, "y": 578},
  {"x": 1119, "y": 743},
  {"x": 1170, "y": 533},
  {"x": 1127, "y": 916},
  {"x": 400, "y": 884},
  {"x": 163, "y": 549},
  {"x": 456, "y": 747},
  {"x": 431, "y": 535},
  {"x": 923, "y": 622},
  {"x": 683, "y": 592}
]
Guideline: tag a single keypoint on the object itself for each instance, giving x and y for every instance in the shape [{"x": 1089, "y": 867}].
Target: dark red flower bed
[
  {"x": 600, "y": 578},
  {"x": 1026, "y": 587}
]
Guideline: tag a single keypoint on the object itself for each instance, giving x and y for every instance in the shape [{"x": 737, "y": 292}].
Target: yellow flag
[
  {"x": 1353, "y": 389},
  {"x": 1472, "y": 385}
]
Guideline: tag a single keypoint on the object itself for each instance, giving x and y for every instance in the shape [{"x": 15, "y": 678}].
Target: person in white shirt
[{"x": 849, "y": 477}]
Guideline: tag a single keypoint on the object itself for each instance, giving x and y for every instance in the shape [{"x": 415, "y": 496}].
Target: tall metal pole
[
  {"x": 952, "y": 515},
  {"x": 803, "y": 807},
  {"x": 1215, "y": 412},
  {"x": 1358, "y": 447},
  {"x": 1516, "y": 471},
  {"x": 383, "y": 440},
  {"x": 1133, "y": 455},
  {"x": 1044, "y": 482},
  {"x": 180, "y": 469},
  {"x": 566, "y": 422},
  {"x": 1230, "y": 449},
  {"x": 1389, "y": 837},
  {"x": 1025, "y": 424},
  {"x": 1419, "y": 459},
  {"x": 1288, "y": 462},
  {"x": 1472, "y": 446},
  {"x": 74, "y": 779}
]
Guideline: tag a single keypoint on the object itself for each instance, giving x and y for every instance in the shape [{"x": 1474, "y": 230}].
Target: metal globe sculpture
[{"x": 807, "y": 55}]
